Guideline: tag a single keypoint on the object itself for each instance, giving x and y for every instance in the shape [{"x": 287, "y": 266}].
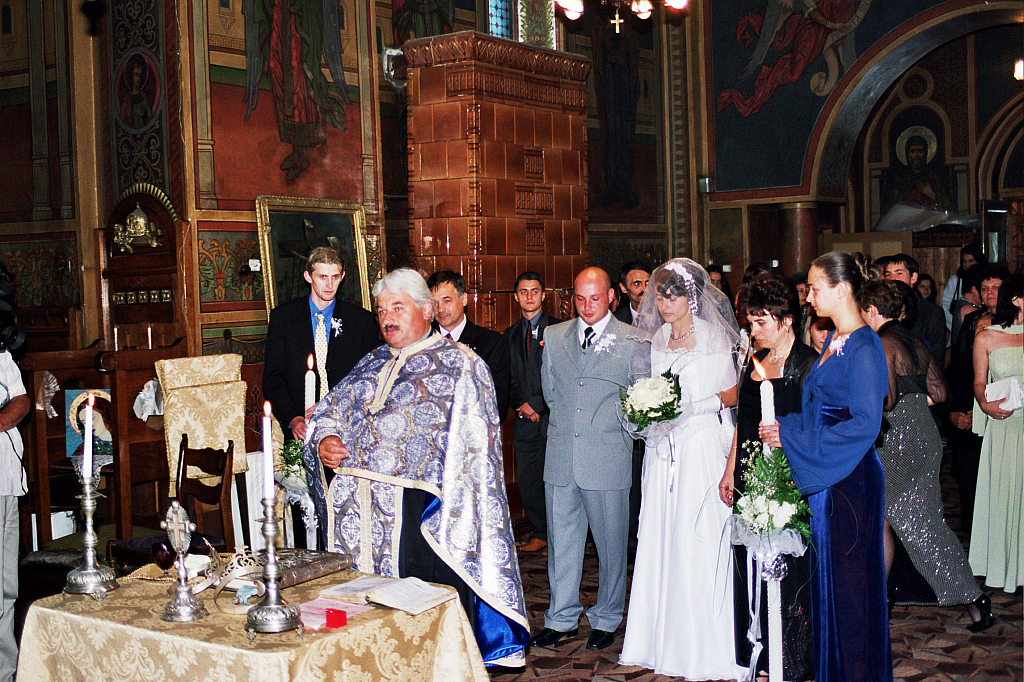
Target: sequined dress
[
  {"x": 911, "y": 454},
  {"x": 998, "y": 533}
]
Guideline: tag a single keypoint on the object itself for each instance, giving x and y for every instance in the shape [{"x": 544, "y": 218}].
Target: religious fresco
[
  {"x": 223, "y": 257},
  {"x": 421, "y": 18},
  {"x": 288, "y": 40},
  {"x": 917, "y": 177},
  {"x": 774, "y": 63},
  {"x": 44, "y": 270},
  {"x": 138, "y": 115}
]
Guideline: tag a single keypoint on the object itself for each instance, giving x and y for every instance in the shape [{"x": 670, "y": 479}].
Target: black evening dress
[{"x": 798, "y": 650}]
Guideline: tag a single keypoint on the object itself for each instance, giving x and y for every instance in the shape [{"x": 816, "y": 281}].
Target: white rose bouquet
[
  {"x": 771, "y": 501},
  {"x": 651, "y": 400}
]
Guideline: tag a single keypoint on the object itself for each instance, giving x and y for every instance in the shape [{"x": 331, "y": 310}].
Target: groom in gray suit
[{"x": 587, "y": 463}]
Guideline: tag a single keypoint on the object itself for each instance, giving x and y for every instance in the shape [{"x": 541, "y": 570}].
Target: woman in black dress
[{"x": 770, "y": 308}]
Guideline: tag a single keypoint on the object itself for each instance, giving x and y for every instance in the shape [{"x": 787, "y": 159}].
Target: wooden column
[{"x": 497, "y": 165}]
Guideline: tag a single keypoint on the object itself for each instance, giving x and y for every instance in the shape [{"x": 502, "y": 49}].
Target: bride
[{"x": 680, "y": 620}]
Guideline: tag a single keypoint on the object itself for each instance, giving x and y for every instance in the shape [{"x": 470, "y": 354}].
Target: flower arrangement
[
  {"x": 652, "y": 399},
  {"x": 291, "y": 459},
  {"x": 771, "y": 501}
]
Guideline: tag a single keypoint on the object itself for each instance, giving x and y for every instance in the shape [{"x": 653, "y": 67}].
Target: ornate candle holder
[
  {"x": 93, "y": 577},
  {"x": 184, "y": 607},
  {"x": 273, "y": 613}
]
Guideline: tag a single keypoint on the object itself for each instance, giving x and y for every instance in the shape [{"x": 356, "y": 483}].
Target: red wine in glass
[{"x": 164, "y": 555}]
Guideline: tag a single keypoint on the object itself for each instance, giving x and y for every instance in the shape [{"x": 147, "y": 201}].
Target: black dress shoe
[
  {"x": 549, "y": 637},
  {"x": 599, "y": 639},
  {"x": 987, "y": 620}
]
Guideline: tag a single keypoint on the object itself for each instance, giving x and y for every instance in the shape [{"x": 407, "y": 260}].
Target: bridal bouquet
[
  {"x": 651, "y": 400},
  {"x": 771, "y": 501}
]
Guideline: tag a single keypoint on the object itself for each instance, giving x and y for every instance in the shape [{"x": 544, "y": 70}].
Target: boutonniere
[
  {"x": 604, "y": 344},
  {"x": 534, "y": 332},
  {"x": 336, "y": 326},
  {"x": 542, "y": 343}
]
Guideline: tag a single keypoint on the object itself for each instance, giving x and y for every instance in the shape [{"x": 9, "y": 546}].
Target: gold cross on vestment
[{"x": 617, "y": 21}]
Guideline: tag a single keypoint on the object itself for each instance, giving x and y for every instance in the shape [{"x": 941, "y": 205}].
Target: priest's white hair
[{"x": 405, "y": 281}]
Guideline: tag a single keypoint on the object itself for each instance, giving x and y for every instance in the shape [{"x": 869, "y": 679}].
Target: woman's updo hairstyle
[
  {"x": 839, "y": 266},
  {"x": 884, "y": 295},
  {"x": 772, "y": 295}
]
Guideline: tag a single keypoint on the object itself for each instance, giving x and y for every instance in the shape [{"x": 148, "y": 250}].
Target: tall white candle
[
  {"x": 87, "y": 440},
  {"x": 767, "y": 395},
  {"x": 268, "y": 454},
  {"x": 310, "y": 387}
]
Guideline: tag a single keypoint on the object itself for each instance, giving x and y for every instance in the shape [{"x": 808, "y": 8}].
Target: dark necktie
[
  {"x": 588, "y": 337},
  {"x": 528, "y": 335}
]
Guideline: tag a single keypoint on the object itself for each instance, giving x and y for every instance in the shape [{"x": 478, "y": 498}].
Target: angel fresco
[
  {"x": 287, "y": 39},
  {"x": 808, "y": 30}
]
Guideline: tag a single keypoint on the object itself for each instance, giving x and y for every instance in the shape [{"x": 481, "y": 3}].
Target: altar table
[{"x": 122, "y": 638}]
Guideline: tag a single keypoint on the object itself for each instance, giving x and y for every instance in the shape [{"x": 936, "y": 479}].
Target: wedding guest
[
  {"x": 14, "y": 405},
  {"x": 998, "y": 535},
  {"x": 818, "y": 330},
  {"x": 718, "y": 278},
  {"x": 830, "y": 446},
  {"x": 925, "y": 288},
  {"x": 680, "y": 622},
  {"x": 970, "y": 255},
  {"x": 772, "y": 305},
  {"x": 911, "y": 453}
]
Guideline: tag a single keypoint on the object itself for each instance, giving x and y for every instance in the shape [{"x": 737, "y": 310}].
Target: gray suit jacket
[{"x": 586, "y": 441}]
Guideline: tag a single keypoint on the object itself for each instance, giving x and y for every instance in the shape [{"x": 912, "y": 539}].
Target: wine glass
[{"x": 164, "y": 555}]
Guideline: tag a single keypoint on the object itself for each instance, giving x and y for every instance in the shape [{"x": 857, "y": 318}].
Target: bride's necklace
[{"x": 680, "y": 338}]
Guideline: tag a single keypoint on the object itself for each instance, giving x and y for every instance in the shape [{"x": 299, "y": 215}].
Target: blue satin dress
[{"x": 830, "y": 446}]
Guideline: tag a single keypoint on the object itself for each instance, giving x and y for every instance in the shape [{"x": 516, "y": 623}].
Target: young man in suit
[
  {"x": 633, "y": 278},
  {"x": 930, "y": 324},
  {"x": 449, "y": 291},
  {"x": 587, "y": 465},
  {"x": 349, "y": 330},
  {"x": 526, "y": 347}
]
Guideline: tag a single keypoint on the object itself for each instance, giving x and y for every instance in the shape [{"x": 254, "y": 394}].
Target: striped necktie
[
  {"x": 588, "y": 337},
  {"x": 320, "y": 348}
]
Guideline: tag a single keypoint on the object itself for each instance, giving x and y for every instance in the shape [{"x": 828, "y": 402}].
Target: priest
[{"x": 413, "y": 436}]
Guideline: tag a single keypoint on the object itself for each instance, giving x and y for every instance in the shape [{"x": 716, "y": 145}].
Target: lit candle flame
[
  {"x": 266, "y": 408},
  {"x": 92, "y": 399},
  {"x": 759, "y": 368},
  {"x": 309, "y": 362}
]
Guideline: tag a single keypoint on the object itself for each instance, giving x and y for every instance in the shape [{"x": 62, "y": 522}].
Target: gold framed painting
[{"x": 291, "y": 227}]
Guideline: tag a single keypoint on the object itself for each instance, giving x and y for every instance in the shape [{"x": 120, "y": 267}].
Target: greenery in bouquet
[
  {"x": 652, "y": 399},
  {"x": 291, "y": 458},
  {"x": 771, "y": 501}
]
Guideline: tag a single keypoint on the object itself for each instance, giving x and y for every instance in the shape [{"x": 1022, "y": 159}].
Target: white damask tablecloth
[{"x": 122, "y": 638}]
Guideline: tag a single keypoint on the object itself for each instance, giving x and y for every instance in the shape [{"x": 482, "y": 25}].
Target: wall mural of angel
[
  {"x": 808, "y": 30},
  {"x": 287, "y": 40}
]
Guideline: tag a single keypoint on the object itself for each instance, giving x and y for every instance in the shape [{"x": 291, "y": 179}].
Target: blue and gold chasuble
[{"x": 424, "y": 417}]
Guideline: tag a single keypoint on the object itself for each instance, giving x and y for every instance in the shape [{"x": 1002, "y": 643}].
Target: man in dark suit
[
  {"x": 449, "y": 291},
  {"x": 351, "y": 333},
  {"x": 526, "y": 347},
  {"x": 930, "y": 324},
  {"x": 633, "y": 278}
]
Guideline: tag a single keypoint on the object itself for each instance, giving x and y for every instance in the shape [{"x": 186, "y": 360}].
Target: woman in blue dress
[{"x": 830, "y": 446}]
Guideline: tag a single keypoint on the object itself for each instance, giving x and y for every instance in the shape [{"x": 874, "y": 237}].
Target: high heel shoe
[{"x": 985, "y": 619}]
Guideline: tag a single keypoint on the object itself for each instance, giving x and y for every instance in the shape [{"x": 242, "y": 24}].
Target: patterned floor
[{"x": 928, "y": 643}]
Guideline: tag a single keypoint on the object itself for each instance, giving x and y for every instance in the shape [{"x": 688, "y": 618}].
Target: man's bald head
[{"x": 592, "y": 294}]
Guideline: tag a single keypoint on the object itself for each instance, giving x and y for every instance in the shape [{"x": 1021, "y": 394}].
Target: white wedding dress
[{"x": 680, "y": 620}]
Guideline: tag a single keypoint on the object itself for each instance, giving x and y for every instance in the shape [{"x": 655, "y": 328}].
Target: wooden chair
[
  {"x": 215, "y": 463},
  {"x": 45, "y": 436}
]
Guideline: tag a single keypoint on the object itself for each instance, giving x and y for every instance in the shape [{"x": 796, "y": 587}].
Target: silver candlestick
[
  {"x": 273, "y": 613},
  {"x": 184, "y": 607},
  {"x": 93, "y": 577}
]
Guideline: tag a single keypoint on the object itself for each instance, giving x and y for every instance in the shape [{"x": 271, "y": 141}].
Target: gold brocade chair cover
[{"x": 205, "y": 397}]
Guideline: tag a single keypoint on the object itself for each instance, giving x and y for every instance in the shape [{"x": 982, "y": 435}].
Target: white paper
[
  {"x": 354, "y": 591},
  {"x": 411, "y": 595}
]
